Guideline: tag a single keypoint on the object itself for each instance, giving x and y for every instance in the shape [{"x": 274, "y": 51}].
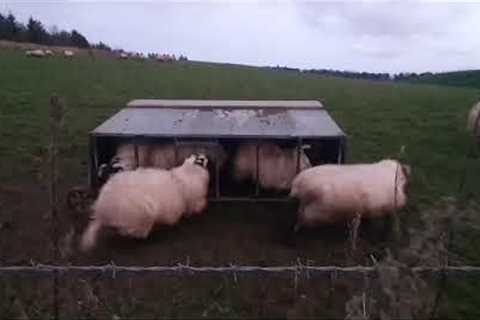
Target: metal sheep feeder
[{"x": 213, "y": 123}]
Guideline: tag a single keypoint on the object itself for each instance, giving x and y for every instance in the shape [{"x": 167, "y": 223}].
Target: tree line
[
  {"x": 342, "y": 73},
  {"x": 35, "y": 32},
  {"x": 351, "y": 74}
]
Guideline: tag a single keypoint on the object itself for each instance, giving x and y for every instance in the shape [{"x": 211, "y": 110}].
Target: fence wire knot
[
  {"x": 233, "y": 267},
  {"x": 114, "y": 269}
]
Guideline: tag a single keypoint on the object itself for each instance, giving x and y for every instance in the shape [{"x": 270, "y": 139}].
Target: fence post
[{"x": 56, "y": 117}]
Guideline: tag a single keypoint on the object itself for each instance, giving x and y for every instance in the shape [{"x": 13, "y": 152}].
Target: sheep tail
[{"x": 89, "y": 238}]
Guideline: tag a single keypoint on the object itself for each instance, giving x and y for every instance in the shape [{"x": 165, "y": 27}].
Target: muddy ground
[{"x": 240, "y": 234}]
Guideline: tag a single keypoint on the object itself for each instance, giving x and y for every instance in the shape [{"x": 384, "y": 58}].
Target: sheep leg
[
  {"x": 354, "y": 226},
  {"x": 297, "y": 227},
  {"x": 299, "y": 222},
  {"x": 90, "y": 236},
  {"x": 139, "y": 231}
]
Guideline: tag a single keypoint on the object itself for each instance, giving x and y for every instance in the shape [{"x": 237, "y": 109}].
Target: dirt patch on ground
[{"x": 240, "y": 234}]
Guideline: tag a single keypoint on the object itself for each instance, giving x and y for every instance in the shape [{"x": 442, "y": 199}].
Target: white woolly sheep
[
  {"x": 473, "y": 122},
  {"x": 68, "y": 53},
  {"x": 332, "y": 193},
  {"x": 49, "y": 53},
  {"x": 277, "y": 169},
  {"x": 35, "y": 53},
  {"x": 124, "y": 157},
  {"x": 133, "y": 202},
  {"x": 162, "y": 156}
]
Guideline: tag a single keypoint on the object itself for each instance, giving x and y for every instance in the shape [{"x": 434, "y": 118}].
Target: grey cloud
[
  {"x": 353, "y": 35},
  {"x": 397, "y": 19}
]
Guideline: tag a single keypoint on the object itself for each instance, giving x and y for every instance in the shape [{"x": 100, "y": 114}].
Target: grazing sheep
[
  {"x": 125, "y": 156},
  {"x": 49, "y": 53},
  {"x": 133, "y": 202},
  {"x": 473, "y": 124},
  {"x": 35, "y": 53},
  {"x": 277, "y": 169},
  {"x": 216, "y": 153},
  {"x": 332, "y": 193},
  {"x": 161, "y": 156},
  {"x": 68, "y": 53}
]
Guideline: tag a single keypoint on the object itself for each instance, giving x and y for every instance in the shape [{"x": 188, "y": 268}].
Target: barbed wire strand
[{"x": 186, "y": 270}]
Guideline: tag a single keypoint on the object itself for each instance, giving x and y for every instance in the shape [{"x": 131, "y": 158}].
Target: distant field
[
  {"x": 380, "y": 119},
  {"x": 468, "y": 79}
]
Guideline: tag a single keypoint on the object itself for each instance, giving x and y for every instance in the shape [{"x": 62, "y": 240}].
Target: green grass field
[{"x": 379, "y": 118}]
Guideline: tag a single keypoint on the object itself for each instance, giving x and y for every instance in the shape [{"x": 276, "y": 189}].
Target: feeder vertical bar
[
  {"x": 217, "y": 170},
  {"x": 257, "y": 185},
  {"x": 299, "y": 146},
  {"x": 340, "y": 151},
  {"x": 135, "y": 148}
]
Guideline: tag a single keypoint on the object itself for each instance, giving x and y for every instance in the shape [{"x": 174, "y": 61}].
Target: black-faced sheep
[
  {"x": 277, "y": 166},
  {"x": 133, "y": 202},
  {"x": 332, "y": 193}
]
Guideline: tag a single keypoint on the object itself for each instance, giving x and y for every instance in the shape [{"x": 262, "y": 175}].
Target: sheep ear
[{"x": 190, "y": 159}]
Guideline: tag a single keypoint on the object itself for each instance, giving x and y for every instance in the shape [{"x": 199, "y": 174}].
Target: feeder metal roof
[{"x": 222, "y": 119}]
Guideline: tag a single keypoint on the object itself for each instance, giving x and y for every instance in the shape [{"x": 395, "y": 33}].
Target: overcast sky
[{"x": 377, "y": 36}]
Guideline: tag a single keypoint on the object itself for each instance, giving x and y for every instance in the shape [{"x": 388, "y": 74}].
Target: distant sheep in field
[
  {"x": 277, "y": 166},
  {"x": 166, "y": 58},
  {"x": 49, "y": 53},
  {"x": 35, "y": 53},
  {"x": 161, "y": 156},
  {"x": 473, "y": 123},
  {"x": 333, "y": 193},
  {"x": 133, "y": 202},
  {"x": 68, "y": 53},
  {"x": 123, "y": 56}
]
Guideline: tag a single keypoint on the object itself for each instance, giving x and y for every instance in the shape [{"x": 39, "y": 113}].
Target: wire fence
[
  {"x": 296, "y": 271},
  {"x": 299, "y": 270}
]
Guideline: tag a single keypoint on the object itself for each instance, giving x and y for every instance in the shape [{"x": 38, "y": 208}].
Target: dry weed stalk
[{"x": 398, "y": 291}]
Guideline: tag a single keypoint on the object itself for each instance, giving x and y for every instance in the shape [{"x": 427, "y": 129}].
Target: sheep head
[
  {"x": 201, "y": 160},
  {"x": 198, "y": 159}
]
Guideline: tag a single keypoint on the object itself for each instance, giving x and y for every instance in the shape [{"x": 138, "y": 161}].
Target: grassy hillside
[
  {"x": 468, "y": 79},
  {"x": 379, "y": 118}
]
